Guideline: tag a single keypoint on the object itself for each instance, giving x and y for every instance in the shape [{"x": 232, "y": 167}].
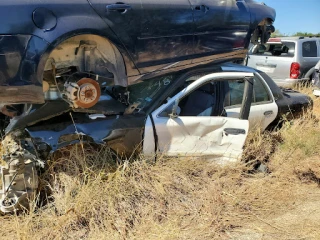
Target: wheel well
[{"x": 88, "y": 53}]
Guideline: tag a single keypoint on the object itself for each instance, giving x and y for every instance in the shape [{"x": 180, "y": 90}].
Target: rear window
[
  {"x": 309, "y": 49},
  {"x": 284, "y": 49}
]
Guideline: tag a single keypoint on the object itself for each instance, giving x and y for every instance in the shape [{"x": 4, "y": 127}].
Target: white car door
[
  {"x": 221, "y": 138},
  {"x": 263, "y": 110}
]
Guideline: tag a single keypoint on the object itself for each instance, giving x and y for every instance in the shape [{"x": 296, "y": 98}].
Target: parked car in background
[
  {"x": 287, "y": 60},
  {"x": 316, "y": 80}
]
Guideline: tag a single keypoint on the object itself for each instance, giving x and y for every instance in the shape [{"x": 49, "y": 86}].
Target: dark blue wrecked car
[{"x": 44, "y": 44}]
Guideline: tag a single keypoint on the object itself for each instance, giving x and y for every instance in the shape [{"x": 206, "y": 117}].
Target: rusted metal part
[
  {"x": 88, "y": 94},
  {"x": 19, "y": 177},
  {"x": 83, "y": 94}
]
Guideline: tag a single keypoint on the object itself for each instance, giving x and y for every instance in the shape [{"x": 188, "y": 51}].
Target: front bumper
[{"x": 20, "y": 80}]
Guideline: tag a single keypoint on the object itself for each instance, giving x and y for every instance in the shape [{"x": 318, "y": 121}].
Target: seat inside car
[{"x": 200, "y": 102}]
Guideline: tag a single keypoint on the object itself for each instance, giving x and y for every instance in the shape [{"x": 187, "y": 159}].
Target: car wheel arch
[{"x": 118, "y": 58}]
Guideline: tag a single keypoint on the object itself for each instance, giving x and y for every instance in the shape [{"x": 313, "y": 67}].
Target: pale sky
[{"x": 296, "y": 15}]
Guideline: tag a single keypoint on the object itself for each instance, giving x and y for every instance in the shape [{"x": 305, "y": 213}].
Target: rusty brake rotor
[{"x": 88, "y": 94}]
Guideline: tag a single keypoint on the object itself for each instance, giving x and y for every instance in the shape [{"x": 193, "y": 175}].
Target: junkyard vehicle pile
[{"x": 125, "y": 74}]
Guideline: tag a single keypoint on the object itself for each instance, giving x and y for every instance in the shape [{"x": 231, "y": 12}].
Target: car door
[
  {"x": 154, "y": 33},
  {"x": 220, "y": 26},
  {"x": 218, "y": 137},
  {"x": 166, "y": 33},
  {"x": 263, "y": 110}
]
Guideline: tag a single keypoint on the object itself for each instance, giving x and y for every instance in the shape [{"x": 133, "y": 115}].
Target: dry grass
[{"x": 93, "y": 197}]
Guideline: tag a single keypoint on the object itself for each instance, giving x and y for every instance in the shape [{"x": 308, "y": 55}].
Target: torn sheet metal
[
  {"x": 71, "y": 128},
  {"x": 50, "y": 109}
]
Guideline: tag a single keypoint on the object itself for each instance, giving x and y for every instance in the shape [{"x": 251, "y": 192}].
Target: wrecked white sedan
[{"x": 164, "y": 116}]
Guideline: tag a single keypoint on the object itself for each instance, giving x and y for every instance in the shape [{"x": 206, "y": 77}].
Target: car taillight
[{"x": 295, "y": 70}]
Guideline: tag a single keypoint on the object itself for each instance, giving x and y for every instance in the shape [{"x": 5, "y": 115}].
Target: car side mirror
[{"x": 176, "y": 110}]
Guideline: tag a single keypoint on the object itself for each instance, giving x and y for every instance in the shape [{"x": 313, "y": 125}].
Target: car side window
[
  {"x": 260, "y": 92},
  {"x": 236, "y": 89},
  {"x": 235, "y": 94},
  {"x": 200, "y": 102},
  {"x": 207, "y": 100},
  {"x": 309, "y": 49}
]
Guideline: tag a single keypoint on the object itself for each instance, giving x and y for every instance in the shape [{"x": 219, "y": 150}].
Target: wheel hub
[{"x": 84, "y": 94}]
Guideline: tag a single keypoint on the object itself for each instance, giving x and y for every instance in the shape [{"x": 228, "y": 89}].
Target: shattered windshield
[{"x": 145, "y": 92}]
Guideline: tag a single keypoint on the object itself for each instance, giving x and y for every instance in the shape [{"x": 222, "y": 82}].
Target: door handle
[
  {"x": 268, "y": 113},
  {"x": 234, "y": 131},
  {"x": 202, "y": 8},
  {"x": 119, "y": 7}
]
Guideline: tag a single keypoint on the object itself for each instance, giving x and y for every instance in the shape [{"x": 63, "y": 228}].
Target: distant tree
[
  {"x": 277, "y": 33},
  {"x": 306, "y": 34}
]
